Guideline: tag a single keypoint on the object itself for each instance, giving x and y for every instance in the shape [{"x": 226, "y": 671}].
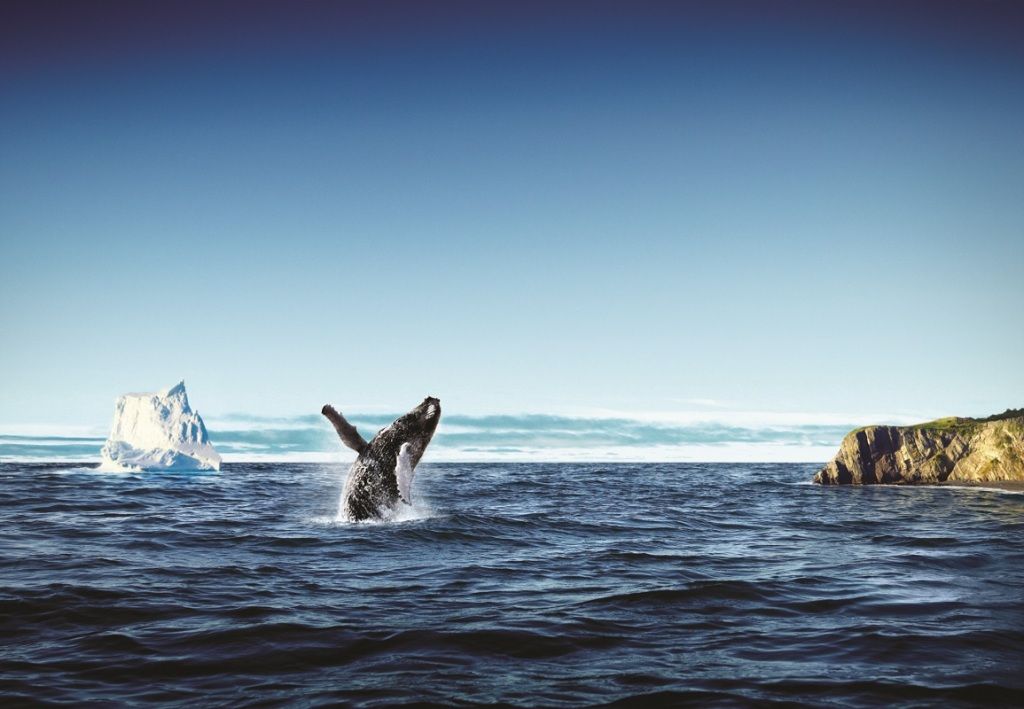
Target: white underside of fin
[{"x": 404, "y": 472}]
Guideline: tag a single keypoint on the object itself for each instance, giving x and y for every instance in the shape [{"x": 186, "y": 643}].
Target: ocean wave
[{"x": 509, "y": 584}]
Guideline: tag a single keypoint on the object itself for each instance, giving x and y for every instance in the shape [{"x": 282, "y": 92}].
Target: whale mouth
[{"x": 432, "y": 407}]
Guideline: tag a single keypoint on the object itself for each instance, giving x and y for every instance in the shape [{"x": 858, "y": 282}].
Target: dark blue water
[{"x": 522, "y": 585}]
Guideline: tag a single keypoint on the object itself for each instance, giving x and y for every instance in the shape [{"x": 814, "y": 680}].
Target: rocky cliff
[{"x": 950, "y": 449}]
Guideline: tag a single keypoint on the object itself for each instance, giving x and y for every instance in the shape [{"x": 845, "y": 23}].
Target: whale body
[{"x": 381, "y": 476}]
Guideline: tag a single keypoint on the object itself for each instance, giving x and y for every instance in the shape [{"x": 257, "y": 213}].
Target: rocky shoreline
[{"x": 946, "y": 451}]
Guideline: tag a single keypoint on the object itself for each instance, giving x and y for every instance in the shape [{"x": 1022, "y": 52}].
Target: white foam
[
  {"x": 980, "y": 487},
  {"x": 402, "y": 514}
]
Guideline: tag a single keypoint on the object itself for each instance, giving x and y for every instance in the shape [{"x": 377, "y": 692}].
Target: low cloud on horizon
[{"x": 590, "y": 435}]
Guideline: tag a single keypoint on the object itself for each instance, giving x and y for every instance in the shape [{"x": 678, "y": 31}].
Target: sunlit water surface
[{"x": 517, "y": 584}]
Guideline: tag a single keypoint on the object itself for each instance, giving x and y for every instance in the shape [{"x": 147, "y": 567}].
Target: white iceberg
[{"x": 158, "y": 432}]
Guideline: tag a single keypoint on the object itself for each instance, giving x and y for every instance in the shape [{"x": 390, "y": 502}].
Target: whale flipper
[
  {"x": 403, "y": 472},
  {"x": 346, "y": 431}
]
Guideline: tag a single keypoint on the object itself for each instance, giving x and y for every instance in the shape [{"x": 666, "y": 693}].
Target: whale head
[{"x": 416, "y": 428}]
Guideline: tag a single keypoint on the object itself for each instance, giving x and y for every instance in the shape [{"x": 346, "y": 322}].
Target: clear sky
[{"x": 554, "y": 208}]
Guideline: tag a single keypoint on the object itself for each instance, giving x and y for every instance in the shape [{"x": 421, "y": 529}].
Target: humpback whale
[{"x": 381, "y": 475}]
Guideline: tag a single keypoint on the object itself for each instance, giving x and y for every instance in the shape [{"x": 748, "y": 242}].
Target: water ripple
[{"x": 564, "y": 585}]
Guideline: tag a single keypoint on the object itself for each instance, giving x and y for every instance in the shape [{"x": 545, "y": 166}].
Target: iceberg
[{"x": 158, "y": 432}]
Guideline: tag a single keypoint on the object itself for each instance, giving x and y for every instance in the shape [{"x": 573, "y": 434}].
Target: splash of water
[{"x": 401, "y": 514}]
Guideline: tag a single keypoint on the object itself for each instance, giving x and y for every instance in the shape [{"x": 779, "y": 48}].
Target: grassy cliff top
[
  {"x": 1008, "y": 414},
  {"x": 956, "y": 423}
]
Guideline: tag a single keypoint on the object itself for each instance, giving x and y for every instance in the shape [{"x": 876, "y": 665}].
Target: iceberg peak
[
  {"x": 158, "y": 432},
  {"x": 176, "y": 390}
]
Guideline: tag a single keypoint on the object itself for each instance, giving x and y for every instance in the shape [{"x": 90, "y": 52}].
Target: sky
[{"x": 624, "y": 211}]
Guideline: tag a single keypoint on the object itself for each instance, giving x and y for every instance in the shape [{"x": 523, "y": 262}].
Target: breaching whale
[{"x": 382, "y": 474}]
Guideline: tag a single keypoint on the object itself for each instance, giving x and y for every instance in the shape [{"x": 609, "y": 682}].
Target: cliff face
[{"x": 952, "y": 449}]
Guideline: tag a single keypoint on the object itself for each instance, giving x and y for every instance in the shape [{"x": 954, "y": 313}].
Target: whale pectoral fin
[
  {"x": 404, "y": 471},
  {"x": 346, "y": 431}
]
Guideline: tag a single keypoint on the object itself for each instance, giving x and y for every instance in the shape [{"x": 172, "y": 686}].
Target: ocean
[{"x": 513, "y": 584}]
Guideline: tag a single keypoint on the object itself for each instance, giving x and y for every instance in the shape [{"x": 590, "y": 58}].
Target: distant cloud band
[{"x": 726, "y": 436}]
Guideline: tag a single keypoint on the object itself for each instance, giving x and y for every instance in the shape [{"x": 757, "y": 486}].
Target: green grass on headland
[
  {"x": 1008, "y": 414},
  {"x": 949, "y": 423},
  {"x": 956, "y": 423}
]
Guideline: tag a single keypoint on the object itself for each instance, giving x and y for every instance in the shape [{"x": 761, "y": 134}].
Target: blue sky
[{"x": 616, "y": 209}]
